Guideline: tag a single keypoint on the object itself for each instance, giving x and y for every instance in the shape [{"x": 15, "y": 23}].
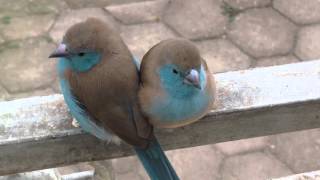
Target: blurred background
[{"x": 231, "y": 35}]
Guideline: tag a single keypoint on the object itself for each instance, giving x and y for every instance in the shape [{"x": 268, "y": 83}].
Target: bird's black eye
[
  {"x": 81, "y": 54},
  {"x": 175, "y": 71}
]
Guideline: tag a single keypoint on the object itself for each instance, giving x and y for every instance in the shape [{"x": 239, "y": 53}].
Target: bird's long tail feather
[{"x": 156, "y": 163}]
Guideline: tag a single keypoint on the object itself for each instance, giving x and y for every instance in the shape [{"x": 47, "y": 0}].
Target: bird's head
[
  {"x": 84, "y": 44},
  {"x": 180, "y": 67}
]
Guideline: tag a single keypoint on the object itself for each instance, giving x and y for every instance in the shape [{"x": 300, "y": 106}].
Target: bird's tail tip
[{"x": 156, "y": 163}]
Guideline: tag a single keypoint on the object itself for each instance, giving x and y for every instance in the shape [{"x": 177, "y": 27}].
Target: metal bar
[{"x": 37, "y": 133}]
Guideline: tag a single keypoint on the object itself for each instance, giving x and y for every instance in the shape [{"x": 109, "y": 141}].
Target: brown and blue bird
[
  {"x": 177, "y": 86},
  {"x": 99, "y": 81}
]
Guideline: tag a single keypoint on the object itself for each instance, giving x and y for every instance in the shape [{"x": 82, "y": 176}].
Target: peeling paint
[
  {"x": 232, "y": 95},
  {"x": 268, "y": 86},
  {"x": 33, "y": 117}
]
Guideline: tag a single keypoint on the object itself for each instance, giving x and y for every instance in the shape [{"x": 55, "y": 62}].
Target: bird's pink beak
[
  {"x": 61, "y": 51},
  {"x": 193, "y": 78}
]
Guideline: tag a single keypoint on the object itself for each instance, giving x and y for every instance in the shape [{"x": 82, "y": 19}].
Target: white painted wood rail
[
  {"x": 314, "y": 175},
  {"x": 37, "y": 133}
]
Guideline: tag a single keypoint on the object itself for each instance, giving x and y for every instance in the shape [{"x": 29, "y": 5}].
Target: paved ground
[{"x": 231, "y": 34}]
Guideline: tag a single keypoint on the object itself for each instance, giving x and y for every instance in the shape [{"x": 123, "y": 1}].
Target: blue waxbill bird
[
  {"x": 99, "y": 81},
  {"x": 177, "y": 86}
]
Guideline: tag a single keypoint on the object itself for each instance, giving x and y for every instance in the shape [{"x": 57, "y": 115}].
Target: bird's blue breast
[
  {"x": 77, "y": 112},
  {"x": 182, "y": 102}
]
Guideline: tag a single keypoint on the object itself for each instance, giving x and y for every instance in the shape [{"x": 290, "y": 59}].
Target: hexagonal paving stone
[
  {"x": 299, "y": 150},
  {"x": 25, "y": 65},
  {"x": 128, "y": 168},
  {"x": 242, "y": 146},
  {"x": 12, "y": 7},
  {"x": 308, "y": 44},
  {"x": 140, "y": 38},
  {"x": 243, "y": 4},
  {"x": 41, "y": 7},
  {"x": 28, "y": 26},
  {"x": 103, "y": 170},
  {"x": 22, "y": 19},
  {"x": 221, "y": 55},
  {"x": 200, "y": 162},
  {"x": 277, "y": 60},
  {"x": 71, "y": 17},
  {"x": 123, "y": 165},
  {"x": 32, "y": 7},
  {"x": 138, "y": 12},
  {"x": 253, "y": 166},
  {"x": 262, "y": 32},
  {"x": 77, "y": 4},
  {"x": 302, "y": 12},
  {"x": 196, "y": 19}
]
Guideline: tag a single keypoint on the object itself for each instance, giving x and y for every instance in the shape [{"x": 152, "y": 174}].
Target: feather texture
[
  {"x": 165, "y": 97},
  {"x": 182, "y": 101},
  {"x": 85, "y": 121},
  {"x": 100, "y": 80},
  {"x": 156, "y": 163}
]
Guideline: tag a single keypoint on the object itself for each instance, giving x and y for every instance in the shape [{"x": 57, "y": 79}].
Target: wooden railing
[{"x": 37, "y": 132}]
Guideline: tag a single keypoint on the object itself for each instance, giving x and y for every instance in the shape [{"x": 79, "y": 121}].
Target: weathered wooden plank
[
  {"x": 314, "y": 175},
  {"x": 37, "y": 133}
]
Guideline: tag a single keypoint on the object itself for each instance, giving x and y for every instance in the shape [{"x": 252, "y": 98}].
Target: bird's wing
[
  {"x": 143, "y": 128},
  {"x": 115, "y": 108},
  {"x": 79, "y": 112}
]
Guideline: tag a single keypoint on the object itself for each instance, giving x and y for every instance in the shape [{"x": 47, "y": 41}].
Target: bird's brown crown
[
  {"x": 180, "y": 52},
  {"x": 92, "y": 34}
]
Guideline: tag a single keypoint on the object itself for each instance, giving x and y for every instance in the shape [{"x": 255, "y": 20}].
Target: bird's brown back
[{"x": 109, "y": 92}]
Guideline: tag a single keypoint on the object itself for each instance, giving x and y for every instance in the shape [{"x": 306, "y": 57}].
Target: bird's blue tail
[{"x": 156, "y": 163}]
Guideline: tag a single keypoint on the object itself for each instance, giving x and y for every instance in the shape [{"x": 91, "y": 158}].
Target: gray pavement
[{"x": 231, "y": 35}]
